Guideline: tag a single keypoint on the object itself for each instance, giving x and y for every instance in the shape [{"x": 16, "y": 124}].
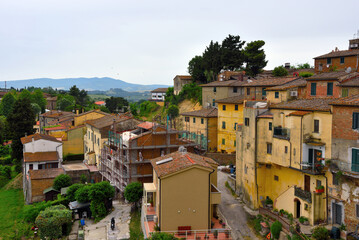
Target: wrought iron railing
[{"x": 302, "y": 194}]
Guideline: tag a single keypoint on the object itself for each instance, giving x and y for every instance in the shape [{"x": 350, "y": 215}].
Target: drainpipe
[
  {"x": 255, "y": 155},
  {"x": 326, "y": 199},
  {"x": 159, "y": 204},
  {"x": 209, "y": 199},
  {"x": 290, "y": 154},
  {"x": 207, "y": 132},
  {"x": 301, "y": 141}
]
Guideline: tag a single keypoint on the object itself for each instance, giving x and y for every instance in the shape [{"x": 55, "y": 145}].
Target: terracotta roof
[
  {"x": 266, "y": 114},
  {"x": 235, "y": 99},
  {"x": 147, "y": 125},
  {"x": 300, "y": 82},
  {"x": 342, "y": 53},
  {"x": 204, "y": 112},
  {"x": 350, "y": 83},
  {"x": 184, "y": 77},
  {"x": 40, "y": 156},
  {"x": 268, "y": 82},
  {"x": 219, "y": 83},
  {"x": 100, "y": 102},
  {"x": 38, "y": 136},
  {"x": 314, "y": 104},
  {"x": 45, "y": 173},
  {"x": 179, "y": 162},
  {"x": 298, "y": 113},
  {"x": 56, "y": 114},
  {"x": 106, "y": 121},
  {"x": 159, "y": 90},
  {"x": 347, "y": 101},
  {"x": 339, "y": 76}
]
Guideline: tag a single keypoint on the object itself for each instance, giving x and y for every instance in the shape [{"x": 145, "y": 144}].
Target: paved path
[
  {"x": 234, "y": 212},
  {"x": 102, "y": 229}
]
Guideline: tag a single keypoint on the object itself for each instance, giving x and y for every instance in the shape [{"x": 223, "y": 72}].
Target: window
[
  {"x": 355, "y": 160},
  {"x": 286, "y": 149},
  {"x": 235, "y": 126},
  {"x": 264, "y": 92},
  {"x": 214, "y": 89},
  {"x": 319, "y": 183},
  {"x": 316, "y": 126},
  {"x": 344, "y": 92},
  {"x": 224, "y": 107},
  {"x": 40, "y": 166},
  {"x": 202, "y": 121},
  {"x": 320, "y": 66},
  {"x": 235, "y": 89},
  {"x": 92, "y": 136},
  {"x": 335, "y": 179},
  {"x": 246, "y": 121},
  {"x": 223, "y": 125},
  {"x": 269, "y": 148},
  {"x": 276, "y": 94},
  {"x": 330, "y": 89},
  {"x": 329, "y": 61},
  {"x": 270, "y": 127},
  {"x": 276, "y": 178},
  {"x": 213, "y": 102},
  {"x": 98, "y": 141},
  {"x": 341, "y": 60},
  {"x": 313, "y": 89},
  {"x": 235, "y": 143},
  {"x": 357, "y": 210},
  {"x": 355, "y": 120},
  {"x": 236, "y": 107},
  {"x": 223, "y": 141},
  {"x": 31, "y": 166},
  {"x": 186, "y": 119},
  {"x": 89, "y": 134},
  {"x": 248, "y": 91},
  {"x": 194, "y": 120}
]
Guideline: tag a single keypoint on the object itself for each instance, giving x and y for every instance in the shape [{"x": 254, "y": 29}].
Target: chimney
[
  {"x": 77, "y": 112},
  {"x": 240, "y": 77},
  {"x": 287, "y": 65}
]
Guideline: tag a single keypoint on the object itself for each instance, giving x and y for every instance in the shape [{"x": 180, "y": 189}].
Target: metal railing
[
  {"x": 302, "y": 194},
  {"x": 314, "y": 167}
]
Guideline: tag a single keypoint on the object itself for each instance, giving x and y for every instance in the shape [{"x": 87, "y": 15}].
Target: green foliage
[
  {"x": 134, "y": 109},
  {"x": 303, "y": 66},
  {"x": 32, "y": 211},
  {"x": 98, "y": 209},
  {"x": 62, "y": 181},
  {"x": 162, "y": 236},
  {"x": 133, "y": 192},
  {"x": 269, "y": 201},
  {"x": 280, "y": 71},
  {"x": 83, "y": 178},
  {"x": 320, "y": 233},
  {"x": 104, "y": 109},
  {"x": 115, "y": 104},
  {"x": 52, "y": 220},
  {"x": 173, "y": 111},
  {"x": 275, "y": 229},
  {"x": 70, "y": 193},
  {"x": 36, "y": 108},
  {"x": 306, "y": 74},
  {"x": 101, "y": 191},
  {"x": 147, "y": 107},
  {"x": 191, "y": 92},
  {"x": 302, "y": 219},
  {"x": 25, "y": 94},
  {"x": 7, "y": 104},
  {"x": 254, "y": 57},
  {"x": 232, "y": 55},
  {"x": 82, "y": 194},
  {"x": 196, "y": 69},
  {"x": 135, "y": 226},
  {"x": 5, "y": 171},
  {"x": 342, "y": 227},
  {"x": 37, "y": 97},
  {"x": 64, "y": 101},
  {"x": 212, "y": 61}
]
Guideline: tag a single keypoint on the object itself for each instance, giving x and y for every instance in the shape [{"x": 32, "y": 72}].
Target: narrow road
[{"x": 234, "y": 212}]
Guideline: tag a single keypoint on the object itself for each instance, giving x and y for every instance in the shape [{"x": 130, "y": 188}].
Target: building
[
  {"x": 230, "y": 117},
  {"x": 80, "y": 119},
  {"x": 51, "y": 103},
  {"x": 179, "y": 81},
  {"x": 40, "y": 154},
  {"x": 339, "y": 59},
  {"x": 201, "y": 127},
  {"x": 54, "y": 117},
  {"x": 126, "y": 153},
  {"x": 296, "y": 89},
  {"x": 100, "y": 103},
  {"x": 158, "y": 95},
  {"x": 281, "y": 156},
  {"x": 344, "y": 164},
  {"x": 183, "y": 192},
  {"x": 350, "y": 87}
]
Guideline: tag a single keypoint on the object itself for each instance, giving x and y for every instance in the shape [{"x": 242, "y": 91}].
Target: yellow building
[
  {"x": 80, "y": 119},
  {"x": 281, "y": 156},
  {"x": 184, "y": 191},
  {"x": 202, "y": 127},
  {"x": 230, "y": 116}
]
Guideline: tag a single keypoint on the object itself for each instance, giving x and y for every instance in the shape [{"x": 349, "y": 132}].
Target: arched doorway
[{"x": 297, "y": 206}]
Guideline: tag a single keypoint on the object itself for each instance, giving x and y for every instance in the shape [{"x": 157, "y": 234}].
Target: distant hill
[
  {"x": 118, "y": 92},
  {"x": 89, "y": 84}
]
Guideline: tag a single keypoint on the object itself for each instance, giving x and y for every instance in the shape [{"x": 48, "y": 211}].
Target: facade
[
  {"x": 296, "y": 89},
  {"x": 184, "y": 191},
  {"x": 230, "y": 117},
  {"x": 344, "y": 165},
  {"x": 158, "y": 95},
  {"x": 350, "y": 87},
  {"x": 179, "y": 81},
  {"x": 339, "y": 59},
  {"x": 54, "y": 117},
  {"x": 80, "y": 119},
  {"x": 51, "y": 103},
  {"x": 201, "y": 127}
]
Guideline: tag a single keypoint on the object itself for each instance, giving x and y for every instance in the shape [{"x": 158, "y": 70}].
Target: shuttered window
[
  {"x": 355, "y": 120},
  {"x": 316, "y": 126},
  {"x": 355, "y": 160},
  {"x": 313, "y": 89},
  {"x": 330, "y": 89}
]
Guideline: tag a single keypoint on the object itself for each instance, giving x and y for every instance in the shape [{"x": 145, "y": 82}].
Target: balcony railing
[
  {"x": 282, "y": 133},
  {"x": 350, "y": 168},
  {"x": 302, "y": 194},
  {"x": 314, "y": 168}
]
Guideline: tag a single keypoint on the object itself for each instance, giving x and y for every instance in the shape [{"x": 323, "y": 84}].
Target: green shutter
[
  {"x": 313, "y": 89},
  {"x": 355, "y": 160}
]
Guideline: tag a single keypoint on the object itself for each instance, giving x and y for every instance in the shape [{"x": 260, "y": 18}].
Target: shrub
[
  {"x": 275, "y": 229},
  {"x": 62, "y": 181},
  {"x": 306, "y": 74},
  {"x": 32, "y": 211},
  {"x": 162, "y": 236},
  {"x": 98, "y": 209},
  {"x": 303, "y": 219},
  {"x": 320, "y": 233},
  {"x": 173, "y": 111},
  {"x": 70, "y": 194},
  {"x": 296, "y": 237},
  {"x": 269, "y": 201},
  {"x": 82, "y": 194},
  {"x": 280, "y": 71},
  {"x": 133, "y": 192},
  {"x": 101, "y": 191}
]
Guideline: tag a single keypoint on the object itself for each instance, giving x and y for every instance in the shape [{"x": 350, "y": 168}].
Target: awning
[{"x": 149, "y": 187}]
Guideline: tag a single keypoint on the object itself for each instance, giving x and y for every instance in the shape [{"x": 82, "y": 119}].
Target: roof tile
[
  {"x": 38, "y": 136},
  {"x": 204, "y": 112},
  {"x": 314, "y": 104},
  {"x": 45, "y": 173}
]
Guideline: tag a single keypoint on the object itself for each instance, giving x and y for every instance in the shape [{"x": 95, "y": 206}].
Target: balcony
[
  {"x": 346, "y": 168},
  {"x": 302, "y": 194},
  {"x": 281, "y": 133},
  {"x": 313, "y": 168}
]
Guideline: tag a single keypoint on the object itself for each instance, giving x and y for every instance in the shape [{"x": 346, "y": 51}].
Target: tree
[
  {"x": 212, "y": 61},
  {"x": 254, "y": 57},
  {"x": 280, "y": 71},
  {"x": 134, "y": 109},
  {"x": 35, "y": 108},
  {"x": 62, "y": 181},
  {"x": 275, "y": 229},
  {"x": 104, "y": 109},
  {"x": 38, "y": 98},
  {"x": 133, "y": 192},
  {"x": 82, "y": 194},
  {"x": 25, "y": 94},
  {"x": 20, "y": 121},
  {"x": 232, "y": 56},
  {"x": 114, "y": 104},
  {"x": 64, "y": 101},
  {"x": 304, "y": 66},
  {"x": 71, "y": 191},
  {"x": 101, "y": 191},
  {"x": 173, "y": 111},
  {"x": 74, "y": 91},
  {"x": 196, "y": 69},
  {"x": 6, "y": 104}
]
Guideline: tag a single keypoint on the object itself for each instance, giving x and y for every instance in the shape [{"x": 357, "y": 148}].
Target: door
[
  {"x": 337, "y": 213},
  {"x": 298, "y": 208},
  {"x": 355, "y": 160},
  {"x": 310, "y": 157},
  {"x": 307, "y": 183}
]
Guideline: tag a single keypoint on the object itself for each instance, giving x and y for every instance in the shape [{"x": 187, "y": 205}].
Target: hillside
[{"x": 89, "y": 84}]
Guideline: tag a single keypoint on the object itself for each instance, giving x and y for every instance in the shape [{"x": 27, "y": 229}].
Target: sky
[{"x": 150, "y": 42}]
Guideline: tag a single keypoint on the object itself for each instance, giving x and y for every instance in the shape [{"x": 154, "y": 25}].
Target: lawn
[{"x": 135, "y": 226}]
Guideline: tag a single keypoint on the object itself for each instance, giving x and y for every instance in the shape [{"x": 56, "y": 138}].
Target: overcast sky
[{"x": 150, "y": 42}]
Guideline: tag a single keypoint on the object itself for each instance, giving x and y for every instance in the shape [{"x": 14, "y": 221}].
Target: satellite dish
[{"x": 348, "y": 70}]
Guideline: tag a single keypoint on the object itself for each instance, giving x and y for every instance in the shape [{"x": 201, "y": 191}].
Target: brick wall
[
  {"x": 349, "y": 61},
  {"x": 322, "y": 89},
  {"x": 342, "y": 123},
  {"x": 222, "y": 158}
]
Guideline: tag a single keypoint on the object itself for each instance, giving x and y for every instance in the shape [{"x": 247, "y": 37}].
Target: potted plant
[
  {"x": 227, "y": 233},
  {"x": 343, "y": 232},
  {"x": 319, "y": 189},
  {"x": 206, "y": 236},
  {"x": 269, "y": 202},
  {"x": 304, "y": 220},
  {"x": 281, "y": 212}
]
